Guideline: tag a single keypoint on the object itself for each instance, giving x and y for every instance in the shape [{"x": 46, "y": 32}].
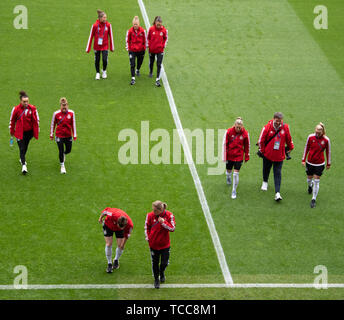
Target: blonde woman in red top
[
  {"x": 314, "y": 161},
  {"x": 64, "y": 121}
]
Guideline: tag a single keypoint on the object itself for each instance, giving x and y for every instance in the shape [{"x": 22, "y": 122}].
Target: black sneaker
[
  {"x": 138, "y": 73},
  {"x": 156, "y": 284},
  {"x": 132, "y": 82},
  {"x": 162, "y": 277},
  {"x": 115, "y": 264},
  {"x": 109, "y": 268},
  {"x": 150, "y": 75},
  {"x": 310, "y": 189},
  {"x": 157, "y": 83},
  {"x": 313, "y": 203}
]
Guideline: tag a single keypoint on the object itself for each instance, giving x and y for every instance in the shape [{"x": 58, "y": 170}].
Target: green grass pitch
[{"x": 224, "y": 59}]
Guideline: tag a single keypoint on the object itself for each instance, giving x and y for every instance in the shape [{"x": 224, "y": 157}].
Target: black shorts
[
  {"x": 109, "y": 233},
  {"x": 314, "y": 170},
  {"x": 236, "y": 164}
]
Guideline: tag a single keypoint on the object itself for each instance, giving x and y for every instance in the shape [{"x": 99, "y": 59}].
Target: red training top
[
  {"x": 157, "y": 39},
  {"x": 136, "y": 40},
  {"x": 315, "y": 148},
  {"x": 112, "y": 216},
  {"x": 235, "y": 145},
  {"x": 65, "y": 124},
  {"x": 24, "y": 119},
  {"x": 158, "y": 233},
  {"x": 99, "y": 31}
]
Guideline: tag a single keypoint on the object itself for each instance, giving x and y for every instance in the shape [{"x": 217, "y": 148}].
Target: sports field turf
[{"x": 224, "y": 59}]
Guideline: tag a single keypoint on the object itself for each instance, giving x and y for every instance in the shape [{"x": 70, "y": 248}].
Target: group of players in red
[
  {"x": 275, "y": 144},
  {"x": 136, "y": 43}
]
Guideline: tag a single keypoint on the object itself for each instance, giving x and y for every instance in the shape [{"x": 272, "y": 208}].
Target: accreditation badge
[
  {"x": 100, "y": 41},
  {"x": 277, "y": 145}
]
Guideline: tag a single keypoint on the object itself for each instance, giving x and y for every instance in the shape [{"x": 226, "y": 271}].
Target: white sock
[
  {"x": 132, "y": 78},
  {"x": 309, "y": 181},
  {"x": 235, "y": 180},
  {"x": 108, "y": 254},
  {"x": 315, "y": 188},
  {"x": 118, "y": 253}
]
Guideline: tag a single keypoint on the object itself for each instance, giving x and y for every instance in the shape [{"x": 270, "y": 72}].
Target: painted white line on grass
[
  {"x": 174, "y": 286},
  {"x": 217, "y": 244}
]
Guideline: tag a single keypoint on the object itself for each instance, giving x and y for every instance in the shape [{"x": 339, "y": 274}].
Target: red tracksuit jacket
[
  {"x": 65, "y": 124},
  {"x": 136, "y": 40},
  {"x": 157, "y": 39},
  {"x": 24, "y": 120},
  {"x": 100, "y": 30},
  {"x": 112, "y": 215},
  {"x": 235, "y": 145},
  {"x": 315, "y": 148},
  {"x": 282, "y": 138},
  {"x": 158, "y": 234}
]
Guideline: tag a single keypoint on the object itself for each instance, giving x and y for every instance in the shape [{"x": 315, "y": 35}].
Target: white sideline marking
[
  {"x": 218, "y": 248},
  {"x": 175, "y": 286}
]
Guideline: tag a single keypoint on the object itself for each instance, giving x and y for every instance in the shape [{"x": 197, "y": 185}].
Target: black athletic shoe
[
  {"x": 156, "y": 284},
  {"x": 138, "y": 73},
  {"x": 313, "y": 203},
  {"x": 150, "y": 75},
  {"x": 310, "y": 189},
  {"x": 109, "y": 268},
  {"x": 157, "y": 83},
  {"x": 132, "y": 82},
  {"x": 115, "y": 264},
  {"x": 162, "y": 277}
]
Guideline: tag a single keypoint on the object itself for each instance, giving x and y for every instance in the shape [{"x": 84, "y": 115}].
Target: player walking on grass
[
  {"x": 316, "y": 144},
  {"x": 157, "y": 40},
  {"x": 236, "y": 142},
  {"x": 64, "y": 121},
  {"x": 272, "y": 141},
  {"x": 118, "y": 222},
  {"x": 24, "y": 124},
  {"x": 159, "y": 223},
  {"x": 101, "y": 31},
  {"x": 136, "y": 46}
]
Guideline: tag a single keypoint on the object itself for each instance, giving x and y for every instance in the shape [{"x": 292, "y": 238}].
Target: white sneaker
[
  {"x": 264, "y": 186},
  {"x": 233, "y": 194},
  {"x": 24, "y": 169},
  {"x": 98, "y": 76},
  {"x": 63, "y": 170},
  {"x": 104, "y": 75},
  {"x": 278, "y": 196}
]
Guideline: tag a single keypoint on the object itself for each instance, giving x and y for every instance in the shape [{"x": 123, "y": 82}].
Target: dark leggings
[
  {"x": 65, "y": 146},
  {"x": 23, "y": 145},
  {"x": 159, "y": 57},
  {"x": 97, "y": 59},
  {"x": 277, "y": 167},
  {"x": 159, "y": 268},
  {"x": 132, "y": 57}
]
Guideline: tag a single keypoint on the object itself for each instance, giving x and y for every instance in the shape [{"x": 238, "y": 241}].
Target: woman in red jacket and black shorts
[
  {"x": 157, "y": 40},
  {"x": 317, "y": 143},
  {"x": 159, "y": 223},
  {"x": 101, "y": 31},
  {"x": 24, "y": 124},
  {"x": 136, "y": 46},
  {"x": 236, "y": 142},
  {"x": 64, "y": 121}
]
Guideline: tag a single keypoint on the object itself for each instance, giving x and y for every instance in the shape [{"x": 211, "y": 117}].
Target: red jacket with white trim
[
  {"x": 235, "y": 145},
  {"x": 112, "y": 216},
  {"x": 136, "y": 40},
  {"x": 158, "y": 234},
  {"x": 157, "y": 39},
  {"x": 64, "y": 123},
  {"x": 104, "y": 31},
  {"x": 314, "y": 150},
  {"x": 24, "y": 119},
  {"x": 274, "y": 150}
]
